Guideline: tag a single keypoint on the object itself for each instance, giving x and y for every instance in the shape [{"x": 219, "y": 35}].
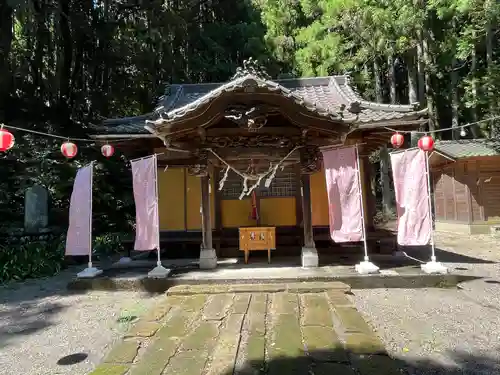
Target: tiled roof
[
  {"x": 125, "y": 125},
  {"x": 468, "y": 148},
  {"x": 327, "y": 96}
]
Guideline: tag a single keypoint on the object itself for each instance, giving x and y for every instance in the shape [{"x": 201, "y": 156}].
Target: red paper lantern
[
  {"x": 6, "y": 140},
  {"x": 426, "y": 143},
  {"x": 69, "y": 149},
  {"x": 397, "y": 140},
  {"x": 107, "y": 150}
]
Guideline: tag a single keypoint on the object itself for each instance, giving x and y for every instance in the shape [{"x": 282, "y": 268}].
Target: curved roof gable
[{"x": 332, "y": 97}]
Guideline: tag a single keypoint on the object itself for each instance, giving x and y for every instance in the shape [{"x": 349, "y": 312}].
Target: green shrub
[
  {"x": 26, "y": 258},
  {"x": 108, "y": 244}
]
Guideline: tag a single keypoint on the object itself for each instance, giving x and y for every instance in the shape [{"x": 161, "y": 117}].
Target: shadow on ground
[
  {"x": 26, "y": 319},
  {"x": 446, "y": 256},
  {"x": 17, "y": 292},
  {"x": 340, "y": 363}
]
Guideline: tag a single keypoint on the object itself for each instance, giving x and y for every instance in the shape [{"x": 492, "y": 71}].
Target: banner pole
[
  {"x": 364, "y": 267},
  {"x": 365, "y": 244},
  {"x": 90, "y": 219},
  {"x": 159, "y": 271},
  {"x": 427, "y": 171},
  {"x": 158, "y": 262},
  {"x": 146, "y": 157},
  {"x": 433, "y": 266},
  {"x": 90, "y": 271}
]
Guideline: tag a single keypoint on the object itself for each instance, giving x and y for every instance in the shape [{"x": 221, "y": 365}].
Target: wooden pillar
[
  {"x": 298, "y": 197},
  {"x": 307, "y": 211},
  {"x": 206, "y": 219},
  {"x": 217, "y": 201},
  {"x": 208, "y": 257},
  {"x": 309, "y": 164}
]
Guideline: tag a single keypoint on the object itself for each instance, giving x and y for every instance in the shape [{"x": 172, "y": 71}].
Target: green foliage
[
  {"x": 108, "y": 244},
  {"x": 460, "y": 58},
  {"x": 26, "y": 258},
  {"x": 67, "y": 64}
]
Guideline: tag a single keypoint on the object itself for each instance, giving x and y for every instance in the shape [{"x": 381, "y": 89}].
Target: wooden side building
[
  {"x": 251, "y": 121},
  {"x": 466, "y": 182}
]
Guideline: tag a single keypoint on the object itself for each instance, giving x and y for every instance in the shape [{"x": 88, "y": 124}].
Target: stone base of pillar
[
  {"x": 309, "y": 257},
  {"x": 208, "y": 259}
]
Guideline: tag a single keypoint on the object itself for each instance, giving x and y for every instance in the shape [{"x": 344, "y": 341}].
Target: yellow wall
[
  {"x": 171, "y": 198},
  {"x": 319, "y": 199},
  {"x": 193, "y": 202},
  {"x": 236, "y": 213},
  {"x": 278, "y": 211},
  {"x": 191, "y": 194},
  {"x": 179, "y": 196}
]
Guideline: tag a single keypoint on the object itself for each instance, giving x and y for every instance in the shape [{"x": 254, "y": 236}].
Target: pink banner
[
  {"x": 147, "y": 231},
  {"x": 79, "y": 239},
  {"x": 410, "y": 185},
  {"x": 344, "y": 195}
]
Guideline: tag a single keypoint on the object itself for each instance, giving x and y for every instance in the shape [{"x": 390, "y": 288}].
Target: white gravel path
[
  {"x": 41, "y": 322},
  {"x": 439, "y": 331}
]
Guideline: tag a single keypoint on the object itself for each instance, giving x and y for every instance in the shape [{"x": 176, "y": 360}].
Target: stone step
[{"x": 304, "y": 287}]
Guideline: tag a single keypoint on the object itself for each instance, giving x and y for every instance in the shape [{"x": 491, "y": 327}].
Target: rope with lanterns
[
  {"x": 426, "y": 143},
  {"x": 68, "y": 148}
]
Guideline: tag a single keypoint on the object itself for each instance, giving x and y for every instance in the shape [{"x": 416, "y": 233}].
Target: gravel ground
[
  {"x": 434, "y": 331},
  {"x": 437, "y": 331},
  {"x": 41, "y": 324}
]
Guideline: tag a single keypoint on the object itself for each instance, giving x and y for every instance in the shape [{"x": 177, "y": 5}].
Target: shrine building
[{"x": 251, "y": 123}]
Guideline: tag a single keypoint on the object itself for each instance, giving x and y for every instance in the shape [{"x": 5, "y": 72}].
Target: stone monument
[{"x": 36, "y": 209}]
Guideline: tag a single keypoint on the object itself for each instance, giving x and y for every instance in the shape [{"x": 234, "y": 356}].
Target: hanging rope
[
  {"x": 270, "y": 173},
  {"x": 444, "y": 129},
  {"x": 66, "y": 138}
]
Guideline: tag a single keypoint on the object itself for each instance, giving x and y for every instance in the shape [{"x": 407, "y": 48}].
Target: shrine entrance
[{"x": 246, "y": 153}]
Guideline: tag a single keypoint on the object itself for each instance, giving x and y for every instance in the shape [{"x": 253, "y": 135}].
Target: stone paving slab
[
  {"x": 260, "y": 331},
  {"x": 298, "y": 287}
]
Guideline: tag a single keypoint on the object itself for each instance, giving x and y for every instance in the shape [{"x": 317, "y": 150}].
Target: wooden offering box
[{"x": 258, "y": 238}]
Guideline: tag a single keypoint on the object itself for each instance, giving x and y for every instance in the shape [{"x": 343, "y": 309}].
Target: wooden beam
[
  {"x": 393, "y": 124},
  {"x": 266, "y": 130},
  {"x": 177, "y": 162}
]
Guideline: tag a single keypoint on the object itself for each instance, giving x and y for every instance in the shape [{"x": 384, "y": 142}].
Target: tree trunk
[
  {"x": 476, "y": 131},
  {"x": 494, "y": 128},
  {"x": 65, "y": 57},
  {"x": 454, "y": 100},
  {"x": 38, "y": 66},
  {"x": 421, "y": 72},
  {"x": 429, "y": 94},
  {"x": 379, "y": 92},
  {"x": 392, "y": 78},
  {"x": 6, "y": 14},
  {"x": 412, "y": 77}
]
